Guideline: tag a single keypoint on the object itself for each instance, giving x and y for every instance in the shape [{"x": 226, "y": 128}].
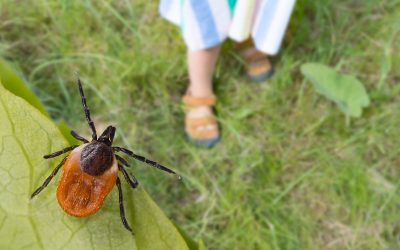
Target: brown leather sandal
[
  {"x": 209, "y": 135},
  {"x": 258, "y": 66}
]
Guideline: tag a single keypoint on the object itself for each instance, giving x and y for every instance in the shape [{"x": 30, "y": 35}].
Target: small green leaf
[{"x": 345, "y": 90}]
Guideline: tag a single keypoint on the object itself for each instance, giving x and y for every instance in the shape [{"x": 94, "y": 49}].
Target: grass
[{"x": 289, "y": 173}]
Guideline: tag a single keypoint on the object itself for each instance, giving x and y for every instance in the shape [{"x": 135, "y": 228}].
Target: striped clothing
[{"x": 207, "y": 23}]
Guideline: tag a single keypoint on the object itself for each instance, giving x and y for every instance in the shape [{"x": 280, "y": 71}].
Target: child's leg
[
  {"x": 201, "y": 125},
  {"x": 201, "y": 64}
]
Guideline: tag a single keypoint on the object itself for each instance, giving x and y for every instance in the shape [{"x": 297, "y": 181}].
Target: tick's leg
[
  {"x": 48, "y": 179},
  {"x": 129, "y": 178},
  {"x": 143, "y": 159},
  {"x": 65, "y": 150},
  {"x": 87, "y": 111},
  {"x": 78, "y": 137},
  {"x": 121, "y": 206},
  {"x": 122, "y": 160}
]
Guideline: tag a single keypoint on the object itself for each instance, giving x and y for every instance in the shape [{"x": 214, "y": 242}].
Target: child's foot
[
  {"x": 258, "y": 67},
  {"x": 201, "y": 125}
]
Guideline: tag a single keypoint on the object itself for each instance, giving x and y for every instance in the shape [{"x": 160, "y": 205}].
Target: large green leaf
[
  {"x": 345, "y": 90},
  {"x": 16, "y": 85},
  {"x": 26, "y": 135},
  {"x": 193, "y": 245},
  {"x": 152, "y": 229}
]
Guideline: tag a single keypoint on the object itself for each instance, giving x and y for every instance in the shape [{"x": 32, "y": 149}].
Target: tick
[{"x": 90, "y": 171}]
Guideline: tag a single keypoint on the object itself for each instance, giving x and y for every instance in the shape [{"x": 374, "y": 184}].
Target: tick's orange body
[{"x": 79, "y": 193}]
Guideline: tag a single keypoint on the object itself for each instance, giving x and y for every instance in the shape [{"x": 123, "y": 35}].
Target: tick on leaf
[{"x": 90, "y": 171}]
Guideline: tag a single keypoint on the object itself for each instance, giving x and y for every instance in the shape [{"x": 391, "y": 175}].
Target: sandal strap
[
  {"x": 258, "y": 67},
  {"x": 253, "y": 56},
  {"x": 248, "y": 52},
  {"x": 199, "y": 101},
  {"x": 200, "y": 121},
  {"x": 244, "y": 45},
  {"x": 203, "y": 134},
  {"x": 193, "y": 124}
]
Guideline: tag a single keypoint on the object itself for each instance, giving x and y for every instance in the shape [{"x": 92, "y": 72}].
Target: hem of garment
[
  {"x": 213, "y": 43},
  {"x": 209, "y": 44}
]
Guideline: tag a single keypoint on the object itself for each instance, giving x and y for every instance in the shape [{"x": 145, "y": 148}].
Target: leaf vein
[{"x": 39, "y": 240}]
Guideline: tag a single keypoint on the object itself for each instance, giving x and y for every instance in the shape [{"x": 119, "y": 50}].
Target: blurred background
[{"x": 289, "y": 173}]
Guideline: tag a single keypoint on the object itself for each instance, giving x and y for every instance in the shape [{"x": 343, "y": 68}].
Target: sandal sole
[
  {"x": 207, "y": 143},
  {"x": 262, "y": 77}
]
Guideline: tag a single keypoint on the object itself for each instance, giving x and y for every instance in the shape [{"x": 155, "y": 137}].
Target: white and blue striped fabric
[{"x": 206, "y": 23}]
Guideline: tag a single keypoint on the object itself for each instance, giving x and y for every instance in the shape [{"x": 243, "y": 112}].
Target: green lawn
[{"x": 289, "y": 172}]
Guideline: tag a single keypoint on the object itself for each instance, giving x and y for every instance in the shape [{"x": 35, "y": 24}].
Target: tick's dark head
[{"x": 107, "y": 136}]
